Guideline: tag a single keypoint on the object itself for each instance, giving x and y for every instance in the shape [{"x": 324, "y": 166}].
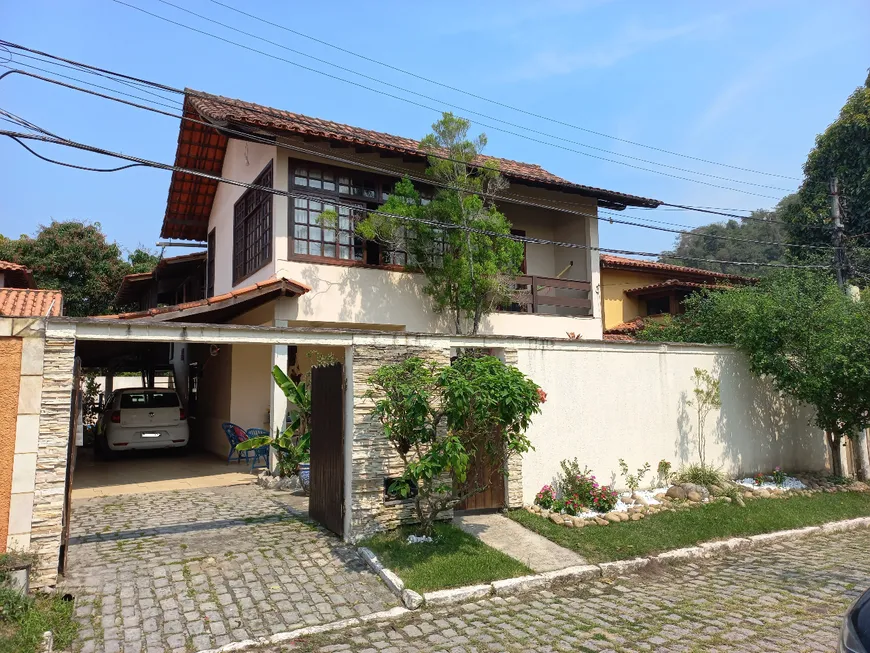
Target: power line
[
  {"x": 71, "y": 165},
  {"x": 434, "y": 223},
  {"x": 404, "y": 173},
  {"x": 491, "y": 101},
  {"x": 743, "y": 217},
  {"x": 430, "y": 108},
  {"x": 461, "y": 108}
]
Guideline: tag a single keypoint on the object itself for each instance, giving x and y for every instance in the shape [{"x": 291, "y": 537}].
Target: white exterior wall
[
  {"x": 348, "y": 296},
  {"x": 242, "y": 162},
  {"x": 611, "y": 401}
]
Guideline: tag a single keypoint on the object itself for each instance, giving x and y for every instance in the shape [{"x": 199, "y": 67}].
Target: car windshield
[{"x": 147, "y": 399}]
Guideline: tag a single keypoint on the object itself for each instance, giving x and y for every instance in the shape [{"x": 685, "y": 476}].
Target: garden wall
[{"x": 630, "y": 400}]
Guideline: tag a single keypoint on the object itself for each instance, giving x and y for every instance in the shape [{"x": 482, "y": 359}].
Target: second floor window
[
  {"x": 323, "y": 189},
  {"x": 252, "y": 228}
]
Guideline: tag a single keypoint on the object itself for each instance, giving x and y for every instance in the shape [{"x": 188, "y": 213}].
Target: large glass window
[
  {"x": 348, "y": 193},
  {"x": 329, "y": 238},
  {"x": 252, "y": 228}
]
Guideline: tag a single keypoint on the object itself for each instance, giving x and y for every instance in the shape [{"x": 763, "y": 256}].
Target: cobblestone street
[
  {"x": 785, "y": 598},
  {"x": 194, "y": 569}
]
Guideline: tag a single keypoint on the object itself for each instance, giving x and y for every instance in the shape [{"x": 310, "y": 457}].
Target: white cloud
[{"x": 629, "y": 42}]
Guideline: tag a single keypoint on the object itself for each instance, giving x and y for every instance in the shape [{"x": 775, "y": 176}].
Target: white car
[{"x": 142, "y": 418}]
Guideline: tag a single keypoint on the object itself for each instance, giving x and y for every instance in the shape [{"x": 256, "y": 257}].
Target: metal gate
[
  {"x": 326, "y": 500},
  {"x": 74, "y": 414}
]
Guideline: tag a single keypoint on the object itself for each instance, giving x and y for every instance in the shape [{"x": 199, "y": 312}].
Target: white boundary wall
[{"x": 629, "y": 400}]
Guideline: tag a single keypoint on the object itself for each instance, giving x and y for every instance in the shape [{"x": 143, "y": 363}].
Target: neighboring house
[
  {"x": 632, "y": 289},
  {"x": 269, "y": 261},
  {"x": 19, "y": 296}
]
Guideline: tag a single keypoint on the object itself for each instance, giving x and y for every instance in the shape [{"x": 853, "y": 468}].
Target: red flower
[{"x": 542, "y": 396}]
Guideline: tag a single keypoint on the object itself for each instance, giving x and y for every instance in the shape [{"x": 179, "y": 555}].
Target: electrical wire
[
  {"x": 71, "y": 165},
  {"x": 355, "y": 206},
  {"x": 461, "y": 108},
  {"x": 430, "y": 108},
  {"x": 491, "y": 101},
  {"x": 402, "y": 173}
]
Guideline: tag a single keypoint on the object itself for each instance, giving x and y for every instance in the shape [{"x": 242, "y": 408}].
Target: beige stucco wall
[
  {"x": 214, "y": 401},
  {"x": 617, "y": 307},
  {"x": 373, "y": 297},
  {"x": 611, "y": 401}
]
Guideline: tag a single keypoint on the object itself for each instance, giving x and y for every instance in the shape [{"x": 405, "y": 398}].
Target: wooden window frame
[
  {"x": 253, "y": 228},
  {"x": 379, "y": 186}
]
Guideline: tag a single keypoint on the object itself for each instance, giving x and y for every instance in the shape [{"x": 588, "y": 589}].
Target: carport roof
[{"x": 220, "y": 307}]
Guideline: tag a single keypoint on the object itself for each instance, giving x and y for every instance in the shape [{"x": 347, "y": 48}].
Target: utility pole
[{"x": 836, "y": 218}]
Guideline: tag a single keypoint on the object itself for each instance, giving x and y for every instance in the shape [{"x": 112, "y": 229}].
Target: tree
[
  {"x": 762, "y": 225},
  {"x": 76, "y": 258},
  {"x": 466, "y": 270},
  {"x": 841, "y": 151},
  {"x": 440, "y": 418},
  {"x": 801, "y": 331},
  {"x": 707, "y": 398}
]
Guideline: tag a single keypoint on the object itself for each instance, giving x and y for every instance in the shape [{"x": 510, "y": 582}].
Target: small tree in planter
[
  {"x": 439, "y": 418},
  {"x": 707, "y": 397}
]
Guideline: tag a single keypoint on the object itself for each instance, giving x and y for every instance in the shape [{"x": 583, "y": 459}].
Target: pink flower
[{"x": 542, "y": 396}]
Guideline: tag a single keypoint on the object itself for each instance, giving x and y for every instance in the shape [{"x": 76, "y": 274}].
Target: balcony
[{"x": 550, "y": 296}]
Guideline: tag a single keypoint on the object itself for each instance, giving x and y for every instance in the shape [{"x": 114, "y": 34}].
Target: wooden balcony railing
[{"x": 532, "y": 293}]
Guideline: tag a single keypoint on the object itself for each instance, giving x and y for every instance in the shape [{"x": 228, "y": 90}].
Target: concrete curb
[
  {"x": 568, "y": 575},
  {"x": 510, "y": 586},
  {"x": 409, "y": 598}
]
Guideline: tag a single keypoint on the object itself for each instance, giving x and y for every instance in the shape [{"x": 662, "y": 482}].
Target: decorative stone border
[{"x": 412, "y": 600}]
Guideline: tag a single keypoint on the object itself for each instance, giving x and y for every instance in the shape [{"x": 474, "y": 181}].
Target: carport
[{"x": 350, "y": 458}]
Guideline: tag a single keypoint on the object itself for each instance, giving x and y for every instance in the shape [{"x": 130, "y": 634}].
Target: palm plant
[{"x": 293, "y": 444}]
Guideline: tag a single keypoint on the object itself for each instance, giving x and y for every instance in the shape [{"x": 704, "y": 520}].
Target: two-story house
[{"x": 270, "y": 260}]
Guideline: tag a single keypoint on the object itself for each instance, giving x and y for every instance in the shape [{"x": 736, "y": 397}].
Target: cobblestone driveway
[
  {"x": 194, "y": 569},
  {"x": 787, "y": 598}
]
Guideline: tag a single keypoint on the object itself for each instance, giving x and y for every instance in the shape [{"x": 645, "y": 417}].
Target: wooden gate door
[
  {"x": 481, "y": 472},
  {"x": 74, "y": 414},
  {"x": 326, "y": 500}
]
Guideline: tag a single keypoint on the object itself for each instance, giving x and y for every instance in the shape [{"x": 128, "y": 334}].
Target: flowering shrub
[
  {"x": 778, "y": 476},
  {"x": 573, "y": 505},
  {"x": 546, "y": 497},
  {"x": 759, "y": 478},
  {"x": 603, "y": 498},
  {"x": 576, "y": 483}
]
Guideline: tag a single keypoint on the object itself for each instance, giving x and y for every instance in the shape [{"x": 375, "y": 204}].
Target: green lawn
[
  {"x": 674, "y": 530},
  {"x": 453, "y": 560},
  {"x": 22, "y": 623}
]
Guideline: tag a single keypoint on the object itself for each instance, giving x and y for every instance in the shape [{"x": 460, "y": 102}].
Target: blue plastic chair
[
  {"x": 259, "y": 452},
  {"x": 235, "y": 434}
]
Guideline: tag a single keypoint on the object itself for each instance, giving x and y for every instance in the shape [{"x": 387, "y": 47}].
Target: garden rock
[
  {"x": 601, "y": 522},
  {"x": 694, "y": 496},
  {"x": 612, "y": 517},
  {"x": 676, "y": 492},
  {"x": 639, "y": 500},
  {"x": 692, "y": 487},
  {"x": 715, "y": 490},
  {"x": 636, "y": 516},
  {"x": 578, "y": 522},
  {"x": 556, "y": 518},
  {"x": 763, "y": 494}
]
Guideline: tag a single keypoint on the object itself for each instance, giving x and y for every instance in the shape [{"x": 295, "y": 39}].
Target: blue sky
[{"x": 748, "y": 83}]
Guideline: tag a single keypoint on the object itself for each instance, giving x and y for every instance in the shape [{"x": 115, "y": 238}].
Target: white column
[
  {"x": 277, "y": 402},
  {"x": 593, "y": 265}
]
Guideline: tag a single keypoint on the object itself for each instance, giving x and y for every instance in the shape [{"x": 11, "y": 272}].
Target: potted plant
[{"x": 293, "y": 444}]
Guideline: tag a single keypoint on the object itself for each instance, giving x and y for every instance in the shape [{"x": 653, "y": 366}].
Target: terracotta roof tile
[
  {"x": 279, "y": 283},
  {"x": 16, "y": 275},
  {"x": 674, "y": 283},
  {"x": 203, "y": 148},
  {"x": 626, "y": 328},
  {"x": 623, "y": 262},
  {"x": 28, "y": 302}
]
